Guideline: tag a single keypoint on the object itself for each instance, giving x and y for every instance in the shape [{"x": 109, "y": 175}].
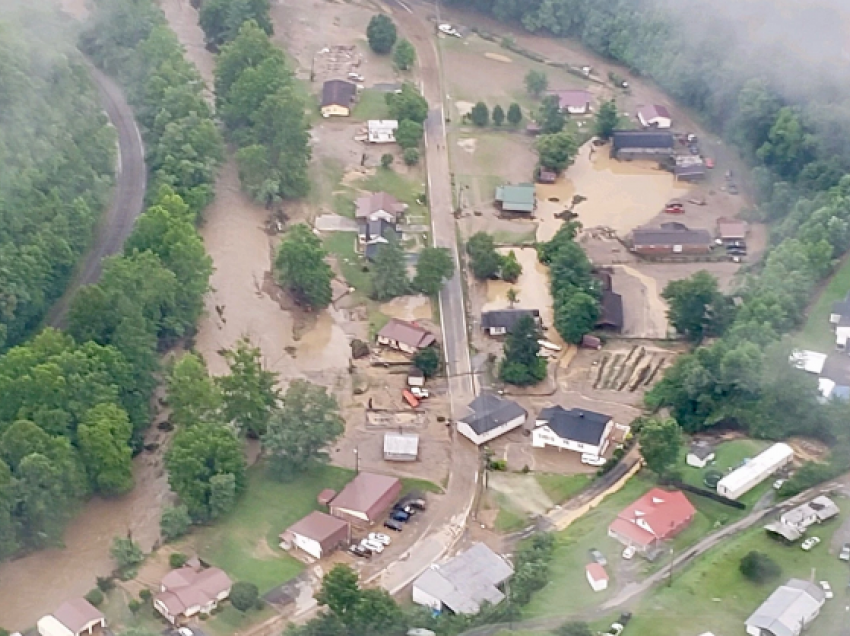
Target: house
[
  {"x": 338, "y": 98},
  {"x": 656, "y": 517},
  {"x": 76, "y": 617},
  {"x": 818, "y": 510},
  {"x": 405, "y": 336},
  {"x": 401, "y": 447},
  {"x": 576, "y": 430},
  {"x": 755, "y": 471},
  {"x": 611, "y": 314},
  {"x": 808, "y": 361},
  {"x": 318, "y": 534},
  {"x": 490, "y": 416},
  {"x": 374, "y": 233},
  {"x": 573, "y": 102},
  {"x": 788, "y": 611},
  {"x": 366, "y": 498},
  {"x": 596, "y": 576},
  {"x": 379, "y": 206},
  {"x": 381, "y": 131},
  {"x": 191, "y": 590},
  {"x": 670, "y": 239},
  {"x": 700, "y": 454},
  {"x": 735, "y": 230},
  {"x": 502, "y": 321},
  {"x": 463, "y": 583},
  {"x": 654, "y": 116},
  {"x": 517, "y": 198},
  {"x": 640, "y": 144}
]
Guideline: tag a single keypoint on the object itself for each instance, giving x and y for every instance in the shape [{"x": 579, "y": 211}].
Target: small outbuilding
[
  {"x": 415, "y": 377},
  {"x": 731, "y": 229},
  {"x": 76, "y": 617},
  {"x": 700, "y": 454},
  {"x": 338, "y": 98},
  {"x": 519, "y": 198},
  {"x": 655, "y": 116},
  {"x": 596, "y": 576},
  {"x": 611, "y": 314},
  {"x": 318, "y": 534},
  {"x": 642, "y": 144},
  {"x": 401, "y": 447}
]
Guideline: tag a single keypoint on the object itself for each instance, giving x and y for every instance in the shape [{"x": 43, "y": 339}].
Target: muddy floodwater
[{"x": 621, "y": 195}]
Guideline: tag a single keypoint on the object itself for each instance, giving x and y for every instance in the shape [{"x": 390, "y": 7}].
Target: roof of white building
[{"x": 762, "y": 463}]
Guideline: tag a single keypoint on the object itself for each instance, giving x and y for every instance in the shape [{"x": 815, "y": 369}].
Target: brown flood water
[{"x": 619, "y": 194}]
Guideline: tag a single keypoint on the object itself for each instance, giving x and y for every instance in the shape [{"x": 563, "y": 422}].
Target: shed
[
  {"x": 547, "y": 176},
  {"x": 596, "y": 576},
  {"x": 642, "y": 144},
  {"x": 591, "y": 342},
  {"x": 755, "y": 471},
  {"x": 611, "y": 316},
  {"x": 415, "y": 377},
  {"x": 326, "y": 496},
  {"x": 365, "y": 498},
  {"x": 700, "y": 454},
  {"x": 401, "y": 447},
  {"x": 517, "y": 198},
  {"x": 318, "y": 534}
]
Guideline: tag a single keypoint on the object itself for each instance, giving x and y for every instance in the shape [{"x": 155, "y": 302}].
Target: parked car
[
  {"x": 448, "y": 29},
  {"x": 185, "y": 631},
  {"x": 399, "y": 515},
  {"x": 422, "y": 394},
  {"x": 625, "y": 617},
  {"x": 374, "y": 546},
  {"x": 597, "y": 556},
  {"x": 380, "y": 538},
  {"x": 778, "y": 484},
  {"x": 845, "y": 552},
  {"x": 357, "y": 77},
  {"x": 592, "y": 460},
  {"x": 359, "y": 551},
  {"x": 709, "y": 163},
  {"x": 731, "y": 244},
  {"x": 629, "y": 552},
  {"x": 616, "y": 629},
  {"x": 827, "y": 589},
  {"x": 809, "y": 543},
  {"x": 418, "y": 504},
  {"x": 393, "y": 525}
]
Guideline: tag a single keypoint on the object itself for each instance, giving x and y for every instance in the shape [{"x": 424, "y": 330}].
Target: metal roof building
[
  {"x": 401, "y": 447},
  {"x": 755, "y": 471},
  {"x": 788, "y": 610}
]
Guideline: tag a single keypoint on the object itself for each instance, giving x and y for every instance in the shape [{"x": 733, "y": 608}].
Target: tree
[
  {"x": 521, "y": 365},
  {"x": 789, "y": 144},
  {"x": 174, "y": 522},
  {"x": 340, "y": 591},
  {"x": 514, "y": 114},
  {"x": 512, "y": 296},
  {"x": 574, "y": 628},
  {"x": 244, "y": 595},
  {"x": 434, "y": 267},
  {"x": 576, "y": 315},
  {"x": 660, "y": 441},
  {"x": 104, "y": 442},
  {"x": 222, "y": 19},
  {"x": 480, "y": 114},
  {"x": 301, "y": 268},
  {"x": 193, "y": 396},
  {"x": 536, "y": 82},
  {"x": 759, "y": 567},
  {"x": 428, "y": 361},
  {"x": 511, "y": 269},
  {"x": 697, "y": 308},
  {"x": 386, "y": 160},
  {"x": 95, "y": 597},
  {"x": 485, "y": 261},
  {"x": 410, "y": 156},
  {"x": 550, "y": 116},
  {"x": 409, "y": 133},
  {"x": 404, "y": 55},
  {"x": 607, "y": 119},
  {"x": 381, "y": 34},
  {"x": 498, "y": 115},
  {"x": 126, "y": 552},
  {"x": 556, "y": 151},
  {"x": 301, "y": 430},
  {"x": 249, "y": 391},
  {"x": 198, "y": 454},
  {"x": 407, "y": 104},
  {"x": 223, "y": 494},
  {"x": 389, "y": 272}
]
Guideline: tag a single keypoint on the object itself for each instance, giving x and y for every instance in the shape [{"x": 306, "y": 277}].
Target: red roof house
[{"x": 656, "y": 517}]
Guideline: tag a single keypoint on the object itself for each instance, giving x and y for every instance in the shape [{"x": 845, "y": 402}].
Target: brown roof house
[
  {"x": 318, "y": 534},
  {"x": 76, "y": 617},
  {"x": 670, "y": 238},
  {"x": 366, "y": 498},
  {"x": 405, "y": 336},
  {"x": 574, "y": 102},
  {"x": 191, "y": 590},
  {"x": 338, "y": 98},
  {"x": 379, "y": 206}
]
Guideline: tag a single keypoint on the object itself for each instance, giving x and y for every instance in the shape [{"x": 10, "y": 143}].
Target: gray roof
[
  {"x": 506, "y": 318},
  {"x": 612, "y": 310},
  {"x": 788, "y": 608},
  {"x": 635, "y": 139},
  {"x": 652, "y": 236},
  {"x": 701, "y": 450},
  {"x": 578, "y": 425},
  {"x": 789, "y": 533},
  {"x": 465, "y": 582},
  {"x": 401, "y": 444},
  {"x": 490, "y": 411},
  {"x": 818, "y": 509},
  {"x": 379, "y": 228},
  {"x": 842, "y": 307}
]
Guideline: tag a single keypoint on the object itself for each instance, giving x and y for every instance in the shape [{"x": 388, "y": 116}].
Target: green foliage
[
  {"x": 522, "y": 366},
  {"x": 536, "y": 82},
  {"x": 428, "y": 361},
  {"x": 531, "y": 567},
  {"x": 386, "y": 160},
  {"x": 194, "y": 398},
  {"x": 103, "y": 438},
  {"x": 550, "y": 116},
  {"x": 409, "y": 133},
  {"x": 404, "y": 55},
  {"x": 759, "y": 567},
  {"x": 340, "y": 590},
  {"x": 607, "y": 119},
  {"x": 410, "y": 156},
  {"x": 134, "y": 605},
  {"x": 389, "y": 272},
  {"x": 301, "y": 268},
  {"x": 197, "y": 455},
  {"x": 126, "y": 552},
  {"x": 480, "y": 114},
  {"x": 244, "y": 595},
  {"x": 177, "y": 560},
  {"x": 105, "y": 583},
  {"x": 498, "y": 115},
  {"x": 511, "y": 268},
  {"x": 381, "y": 34},
  {"x": 407, "y": 104},
  {"x": 514, "y": 114},
  {"x": 556, "y": 151},
  {"x": 434, "y": 267},
  {"x": 697, "y": 308},
  {"x": 95, "y": 597},
  {"x": 574, "y": 628},
  {"x": 174, "y": 523},
  {"x": 575, "y": 315},
  {"x": 660, "y": 442},
  {"x": 222, "y": 19},
  {"x": 300, "y": 431},
  {"x": 249, "y": 392},
  {"x": 484, "y": 260}
]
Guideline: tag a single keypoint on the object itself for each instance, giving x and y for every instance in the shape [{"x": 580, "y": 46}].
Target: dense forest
[
  {"x": 57, "y": 153},
  {"x": 789, "y": 117}
]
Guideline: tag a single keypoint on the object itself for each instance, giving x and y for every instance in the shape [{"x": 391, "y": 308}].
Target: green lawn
[
  {"x": 714, "y": 592},
  {"x": 343, "y": 246},
  {"x": 559, "y": 488},
  {"x": 402, "y": 188},
  {"x": 509, "y": 518},
  {"x": 817, "y": 333},
  {"x": 230, "y": 621},
  {"x": 117, "y": 613},
  {"x": 371, "y": 104},
  {"x": 503, "y": 237}
]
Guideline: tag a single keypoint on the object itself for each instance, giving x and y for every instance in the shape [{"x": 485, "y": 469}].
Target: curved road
[{"x": 128, "y": 198}]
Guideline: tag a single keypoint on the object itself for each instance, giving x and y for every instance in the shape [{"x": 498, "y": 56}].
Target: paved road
[{"x": 128, "y": 198}]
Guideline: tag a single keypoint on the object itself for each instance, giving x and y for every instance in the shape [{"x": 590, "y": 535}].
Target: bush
[
  {"x": 811, "y": 474},
  {"x": 105, "y": 583},
  {"x": 145, "y": 594},
  {"x": 177, "y": 559},
  {"x": 386, "y": 160},
  {"x": 244, "y": 595},
  {"x": 95, "y": 597},
  {"x": 758, "y": 567},
  {"x": 134, "y": 605},
  {"x": 411, "y": 156},
  {"x": 499, "y": 464},
  {"x": 175, "y": 522}
]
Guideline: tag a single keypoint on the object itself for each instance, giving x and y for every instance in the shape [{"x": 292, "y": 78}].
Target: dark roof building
[
  {"x": 611, "y": 316},
  {"x": 580, "y": 425},
  {"x": 641, "y": 144},
  {"x": 365, "y": 498},
  {"x": 317, "y": 534},
  {"x": 490, "y": 416},
  {"x": 502, "y": 321},
  {"x": 671, "y": 238},
  {"x": 338, "y": 93}
]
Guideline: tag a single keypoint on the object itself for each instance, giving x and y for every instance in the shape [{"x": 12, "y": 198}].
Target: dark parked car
[
  {"x": 392, "y": 524},
  {"x": 625, "y": 617},
  {"x": 597, "y": 556},
  {"x": 359, "y": 551},
  {"x": 732, "y": 244},
  {"x": 399, "y": 515},
  {"x": 417, "y": 504}
]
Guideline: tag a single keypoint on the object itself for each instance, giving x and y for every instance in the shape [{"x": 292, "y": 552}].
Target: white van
[{"x": 592, "y": 460}]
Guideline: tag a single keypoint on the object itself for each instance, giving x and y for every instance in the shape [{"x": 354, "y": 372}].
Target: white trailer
[{"x": 755, "y": 471}]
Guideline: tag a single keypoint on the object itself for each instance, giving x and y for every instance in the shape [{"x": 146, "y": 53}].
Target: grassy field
[
  {"x": 403, "y": 188},
  {"x": 371, "y": 104},
  {"x": 342, "y": 245},
  {"x": 559, "y": 488},
  {"x": 817, "y": 333},
  {"x": 230, "y": 621}
]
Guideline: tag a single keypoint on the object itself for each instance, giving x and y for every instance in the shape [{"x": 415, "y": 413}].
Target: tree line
[{"x": 58, "y": 155}]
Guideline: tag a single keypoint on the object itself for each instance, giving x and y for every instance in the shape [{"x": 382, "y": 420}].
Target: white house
[
  {"x": 788, "y": 611},
  {"x": 596, "y": 576},
  {"x": 191, "y": 590},
  {"x": 818, "y": 510},
  {"x": 655, "y": 116},
  {"x": 381, "y": 131},
  {"x": 76, "y": 617},
  {"x": 490, "y": 416},
  {"x": 755, "y": 471},
  {"x": 700, "y": 454},
  {"x": 576, "y": 430}
]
